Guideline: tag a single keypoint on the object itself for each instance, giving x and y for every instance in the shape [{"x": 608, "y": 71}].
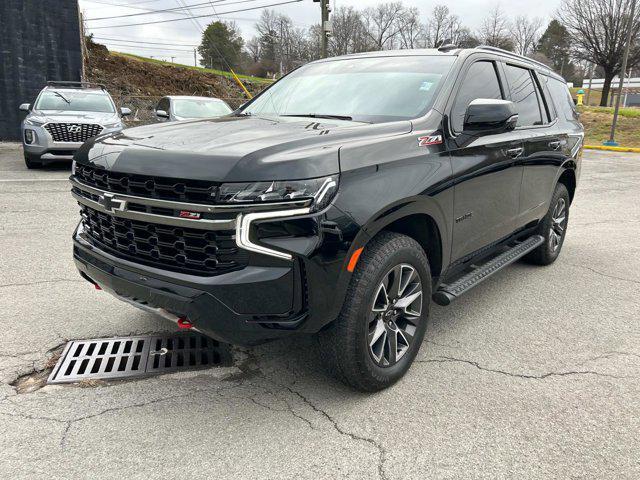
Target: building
[
  {"x": 630, "y": 90},
  {"x": 39, "y": 41}
]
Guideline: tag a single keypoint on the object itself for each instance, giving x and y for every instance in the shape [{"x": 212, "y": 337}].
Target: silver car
[
  {"x": 63, "y": 117},
  {"x": 180, "y": 107}
]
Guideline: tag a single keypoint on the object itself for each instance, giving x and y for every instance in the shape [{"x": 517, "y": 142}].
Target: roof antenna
[{"x": 446, "y": 45}]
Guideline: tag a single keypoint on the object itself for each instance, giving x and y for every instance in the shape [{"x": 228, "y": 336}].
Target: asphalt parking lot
[{"x": 534, "y": 374}]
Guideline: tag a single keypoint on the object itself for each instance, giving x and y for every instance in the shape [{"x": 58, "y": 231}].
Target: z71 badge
[{"x": 429, "y": 140}]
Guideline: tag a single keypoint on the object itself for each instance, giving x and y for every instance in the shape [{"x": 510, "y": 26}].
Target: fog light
[{"x": 28, "y": 136}]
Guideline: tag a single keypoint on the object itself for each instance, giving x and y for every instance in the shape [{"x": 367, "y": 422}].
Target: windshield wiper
[
  {"x": 319, "y": 115},
  {"x": 62, "y": 97}
]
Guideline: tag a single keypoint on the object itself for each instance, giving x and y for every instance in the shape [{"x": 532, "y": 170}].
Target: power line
[
  {"x": 196, "y": 16},
  {"x": 148, "y": 48},
  {"x": 140, "y": 41},
  {"x": 176, "y": 10}
]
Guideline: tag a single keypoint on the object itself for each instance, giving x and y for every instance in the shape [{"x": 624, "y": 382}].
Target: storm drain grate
[{"x": 137, "y": 356}]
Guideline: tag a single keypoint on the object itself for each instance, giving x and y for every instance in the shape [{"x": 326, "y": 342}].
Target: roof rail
[
  {"x": 69, "y": 84},
  {"x": 512, "y": 54}
]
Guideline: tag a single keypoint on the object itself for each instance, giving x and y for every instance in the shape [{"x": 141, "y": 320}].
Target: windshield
[
  {"x": 364, "y": 89},
  {"x": 199, "y": 108},
  {"x": 74, "y": 101}
]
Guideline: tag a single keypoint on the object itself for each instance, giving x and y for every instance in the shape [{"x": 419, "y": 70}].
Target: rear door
[
  {"x": 487, "y": 185},
  {"x": 544, "y": 141}
]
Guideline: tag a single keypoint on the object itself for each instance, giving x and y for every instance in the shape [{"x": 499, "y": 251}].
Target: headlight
[
  {"x": 34, "y": 121},
  {"x": 320, "y": 190},
  {"x": 114, "y": 125}
]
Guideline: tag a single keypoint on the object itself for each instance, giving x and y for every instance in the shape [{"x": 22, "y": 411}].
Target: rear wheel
[
  {"x": 383, "y": 320},
  {"x": 553, "y": 228}
]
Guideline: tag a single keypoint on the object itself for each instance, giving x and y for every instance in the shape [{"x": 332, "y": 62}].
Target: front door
[{"x": 486, "y": 176}]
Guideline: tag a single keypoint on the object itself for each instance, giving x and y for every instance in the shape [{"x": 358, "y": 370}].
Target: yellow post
[
  {"x": 241, "y": 84},
  {"x": 580, "y": 95}
]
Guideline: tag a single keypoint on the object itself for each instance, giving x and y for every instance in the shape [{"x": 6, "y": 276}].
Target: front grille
[
  {"x": 72, "y": 132},
  {"x": 162, "y": 188},
  {"x": 186, "y": 250}
]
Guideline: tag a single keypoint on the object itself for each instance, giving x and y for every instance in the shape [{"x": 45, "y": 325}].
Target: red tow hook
[{"x": 184, "y": 323}]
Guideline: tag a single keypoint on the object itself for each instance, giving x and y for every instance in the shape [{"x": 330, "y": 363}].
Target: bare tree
[
  {"x": 598, "y": 30},
  {"x": 526, "y": 33},
  {"x": 411, "y": 32},
  {"x": 438, "y": 25},
  {"x": 495, "y": 29},
  {"x": 349, "y": 32},
  {"x": 381, "y": 23}
]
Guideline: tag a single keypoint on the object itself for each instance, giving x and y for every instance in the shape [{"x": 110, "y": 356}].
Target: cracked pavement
[{"x": 533, "y": 374}]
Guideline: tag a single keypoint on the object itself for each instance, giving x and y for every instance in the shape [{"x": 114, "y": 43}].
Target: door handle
[
  {"x": 515, "y": 152},
  {"x": 555, "y": 145}
]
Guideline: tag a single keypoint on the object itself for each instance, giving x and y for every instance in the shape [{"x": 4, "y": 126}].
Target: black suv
[{"x": 339, "y": 201}]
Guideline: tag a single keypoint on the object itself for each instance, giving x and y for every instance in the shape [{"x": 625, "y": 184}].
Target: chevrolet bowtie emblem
[{"x": 112, "y": 204}]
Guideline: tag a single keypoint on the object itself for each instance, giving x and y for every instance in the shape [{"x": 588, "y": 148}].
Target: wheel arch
[{"x": 568, "y": 179}]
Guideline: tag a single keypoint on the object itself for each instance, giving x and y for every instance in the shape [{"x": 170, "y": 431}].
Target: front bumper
[
  {"x": 45, "y": 149},
  {"x": 269, "y": 298}
]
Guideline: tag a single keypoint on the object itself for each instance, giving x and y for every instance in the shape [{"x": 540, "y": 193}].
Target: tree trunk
[{"x": 606, "y": 88}]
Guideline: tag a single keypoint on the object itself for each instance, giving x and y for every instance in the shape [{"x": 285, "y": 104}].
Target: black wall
[{"x": 39, "y": 41}]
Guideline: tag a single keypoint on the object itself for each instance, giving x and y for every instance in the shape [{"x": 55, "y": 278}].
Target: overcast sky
[{"x": 183, "y": 36}]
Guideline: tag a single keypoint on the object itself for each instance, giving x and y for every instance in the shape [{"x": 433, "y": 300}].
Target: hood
[
  {"x": 232, "y": 149},
  {"x": 62, "y": 116}
]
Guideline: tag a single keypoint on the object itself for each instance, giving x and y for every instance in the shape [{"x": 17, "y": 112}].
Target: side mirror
[
  {"x": 124, "y": 111},
  {"x": 162, "y": 114},
  {"x": 489, "y": 116},
  {"x": 25, "y": 107}
]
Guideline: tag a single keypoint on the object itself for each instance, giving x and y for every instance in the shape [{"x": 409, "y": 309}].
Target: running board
[{"x": 447, "y": 293}]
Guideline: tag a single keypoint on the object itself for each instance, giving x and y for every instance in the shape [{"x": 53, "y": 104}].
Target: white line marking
[{"x": 17, "y": 180}]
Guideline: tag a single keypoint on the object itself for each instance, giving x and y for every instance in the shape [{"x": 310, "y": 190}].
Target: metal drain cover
[{"x": 137, "y": 356}]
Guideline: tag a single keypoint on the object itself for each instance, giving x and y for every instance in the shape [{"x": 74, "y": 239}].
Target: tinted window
[
  {"x": 163, "y": 104},
  {"x": 562, "y": 99},
  {"x": 367, "y": 89},
  {"x": 523, "y": 94},
  {"x": 481, "y": 81},
  {"x": 74, "y": 101}
]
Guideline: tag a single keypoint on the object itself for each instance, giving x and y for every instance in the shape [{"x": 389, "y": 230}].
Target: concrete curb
[{"x": 613, "y": 149}]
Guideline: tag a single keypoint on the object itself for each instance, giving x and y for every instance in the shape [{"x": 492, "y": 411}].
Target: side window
[
  {"x": 481, "y": 81},
  {"x": 523, "y": 94},
  {"x": 553, "y": 113},
  {"x": 562, "y": 99}
]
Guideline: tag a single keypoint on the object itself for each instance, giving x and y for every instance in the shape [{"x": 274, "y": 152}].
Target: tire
[
  {"x": 346, "y": 344},
  {"x": 32, "y": 161},
  {"x": 552, "y": 230}
]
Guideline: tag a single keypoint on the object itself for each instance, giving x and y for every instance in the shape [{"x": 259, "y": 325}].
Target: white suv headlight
[
  {"x": 34, "y": 122},
  {"x": 117, "y": 124}
]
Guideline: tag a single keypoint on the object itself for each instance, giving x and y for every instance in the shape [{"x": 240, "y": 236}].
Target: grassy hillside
[
  {"x": 597, "y": 125},
  {"x": 130, "y": 76}
]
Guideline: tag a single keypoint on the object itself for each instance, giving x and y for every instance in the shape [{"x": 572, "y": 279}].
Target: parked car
[
  {"x": 179, "y": 107},
  {"x": 339, "y": 201},
  {"x": 64, "y": 115}
]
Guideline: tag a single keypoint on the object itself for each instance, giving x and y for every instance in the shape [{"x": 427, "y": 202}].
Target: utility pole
[
  {"x": 623, "y": 71},
  {"x": 195, "y": 59},
  {"x": 325, "y": 25},
  {"x": 590, "y": 80},
  {"x": 172, "y": 59}
]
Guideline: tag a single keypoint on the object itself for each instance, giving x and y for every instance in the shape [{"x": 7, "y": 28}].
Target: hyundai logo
[
  {"x": 112, "y": 204},
  {"x": 74, "y": 128}
]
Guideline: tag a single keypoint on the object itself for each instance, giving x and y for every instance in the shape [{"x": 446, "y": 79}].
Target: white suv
[{"x": 63, "y": 117}]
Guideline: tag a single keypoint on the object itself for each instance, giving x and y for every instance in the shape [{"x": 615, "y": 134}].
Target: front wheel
[
  {"x": 553, "y": 228},
  {"x": 384, "y": 318},
  {"x": 31, "y": 161}
]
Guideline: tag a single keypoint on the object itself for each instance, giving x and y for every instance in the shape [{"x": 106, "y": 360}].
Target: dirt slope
[{"x": 129, "y": 76}]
